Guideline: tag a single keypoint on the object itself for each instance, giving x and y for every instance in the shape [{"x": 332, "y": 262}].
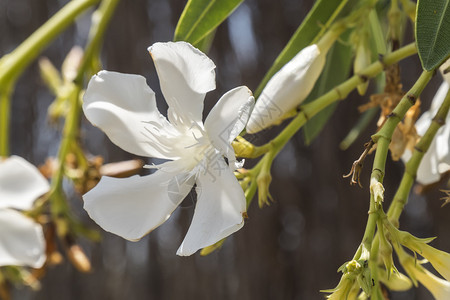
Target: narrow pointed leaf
[
  {"x": 200, "y": 17},
  {"x": 433, "y": 32},
  {"x": 205, "y": 43}
]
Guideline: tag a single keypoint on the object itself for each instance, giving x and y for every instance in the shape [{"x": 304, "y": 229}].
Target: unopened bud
[
  {"x": 365, "y": 279},
  {"x": 78, "y": 258},
  {"x": 50, "y": 74},
  {"x": 71, "y": 63},
  {"x": 263, "y": 181},
  {"x": 287, "y": 88},
  {"x": 345, "y": 287},
  {"x": 385, "y": 251}
]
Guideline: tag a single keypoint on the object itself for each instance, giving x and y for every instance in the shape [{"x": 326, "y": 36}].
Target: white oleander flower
[
  {"x": 288, "y": 88},
  {"x": 124, "y": 107},
  {"x": 22, "y": 240}
]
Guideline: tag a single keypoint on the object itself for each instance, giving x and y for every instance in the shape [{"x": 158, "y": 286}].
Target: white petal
[
  {"x": 124, "y": 107},
  {"x": 228, "y": 118},
  {"x": 185, "y": 75},
  {"x": 132, "y": 207},
  {"x": 21, "y": 240},
  {"x": 443, "y": 146},
  {"x": 219, "y": 208},
  {"x": 427, "y": 173},
  {"x": 21, "y": 183},
  {"x": 287, "y": 88}
]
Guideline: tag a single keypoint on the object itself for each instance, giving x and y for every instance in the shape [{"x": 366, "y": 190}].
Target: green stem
[
  {"x": 5, "y": 103},
  {"x": 102, "y": 16},
  {"x": 15, "y": 62},
  {"x": 383, "y": 139},
  {"x": 70, "y": 133},
  {"x": 405, "y": 103},
  {"x": 100, "y": 21},
  {"x": 401, "y": 196}
]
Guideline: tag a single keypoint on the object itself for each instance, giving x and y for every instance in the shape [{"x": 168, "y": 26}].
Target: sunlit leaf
[
  {"x": 205, "y": 43},
  {"x": 433, "y": 32},
  {"x": 200, "y": 17}
]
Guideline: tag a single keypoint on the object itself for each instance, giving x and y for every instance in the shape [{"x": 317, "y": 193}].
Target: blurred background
[{"x": 289, "y": 250}]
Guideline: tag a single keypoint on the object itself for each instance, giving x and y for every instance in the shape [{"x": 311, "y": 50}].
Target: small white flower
[
  {"x": 287, "y": 88},
  {"x": 21, "y": 239},
  {"x": 124, "y": 107}
]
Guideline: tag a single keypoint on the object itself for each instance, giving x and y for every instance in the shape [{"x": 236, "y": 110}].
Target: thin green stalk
[
  {"x": 383, "y": 139},
  {"x": 400, "y": 199},
  {"x": 71, "y": 126},
  {"x": 15, "y": 62},
  {"x": 100, "y": 21},
  {"x": 376, "y": 177},
  {"x": 69, "y": 135},
  {"x": 5, "y": 104},
  {"x": 401, "y": 196},
  {"x": 400, "y": 110}
]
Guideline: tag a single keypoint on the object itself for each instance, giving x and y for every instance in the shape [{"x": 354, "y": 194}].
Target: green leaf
[
  {"x": 336, "y": 70},
  {"x": 205, "y": 43},
  {"x": 323, "y": 13},
  {"x": 433, "y": 32},
  {"x": 200, "y": 17}
]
